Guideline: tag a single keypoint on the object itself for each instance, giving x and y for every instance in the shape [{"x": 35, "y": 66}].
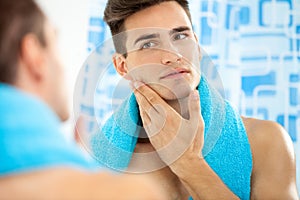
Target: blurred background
[{"x": 255, "y": 45}]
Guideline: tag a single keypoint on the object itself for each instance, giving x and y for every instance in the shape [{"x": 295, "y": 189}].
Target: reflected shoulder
[
  {"x": 266, "y": 134},
  {"x": 273, "y": 174}
]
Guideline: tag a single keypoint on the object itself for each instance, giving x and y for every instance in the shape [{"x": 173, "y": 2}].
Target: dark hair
[
  {"x": 17, "y": 18},
  {"x": 117, "y": 11}
]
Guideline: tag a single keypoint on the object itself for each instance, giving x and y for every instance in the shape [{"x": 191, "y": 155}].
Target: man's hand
[
  {"x": 169, "y": 133},
  {"x": 179, "y": 143}
]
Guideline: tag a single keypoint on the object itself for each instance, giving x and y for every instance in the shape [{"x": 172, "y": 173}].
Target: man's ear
[
  {"x": 32, "y": 56},
  {"x": 199, "y": 49},
  {"x": 121, "y": 65}
]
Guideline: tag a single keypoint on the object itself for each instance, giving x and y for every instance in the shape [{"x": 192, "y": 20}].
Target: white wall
[{"x": 70, "y": 17}]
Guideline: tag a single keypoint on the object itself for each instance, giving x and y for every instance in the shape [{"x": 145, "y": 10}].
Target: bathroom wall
[{"x": 255, "y": 45}]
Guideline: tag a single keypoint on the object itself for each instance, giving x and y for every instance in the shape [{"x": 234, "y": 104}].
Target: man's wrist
[{"x": 186, "y": 167}]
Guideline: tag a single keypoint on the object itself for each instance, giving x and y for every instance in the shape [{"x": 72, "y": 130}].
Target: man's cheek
[
  {"x": 134, "y": 75},
  {"x": 142, "y": 76}
]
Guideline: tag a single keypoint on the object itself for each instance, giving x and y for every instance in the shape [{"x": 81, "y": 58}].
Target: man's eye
[
  {"x": 148, "y": 45},
  {"x": 180, "y": 36}
]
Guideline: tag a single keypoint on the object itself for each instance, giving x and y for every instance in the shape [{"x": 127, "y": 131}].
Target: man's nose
[{"x": 170, "y": 57}]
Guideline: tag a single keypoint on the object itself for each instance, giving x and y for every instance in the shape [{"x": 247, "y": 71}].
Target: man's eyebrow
[
  {"x": 146, "y": 37},
  {"x": 179, "y": 29}
]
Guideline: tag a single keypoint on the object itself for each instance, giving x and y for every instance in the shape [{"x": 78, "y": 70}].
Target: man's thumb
[{"x": 194, "y": 105}]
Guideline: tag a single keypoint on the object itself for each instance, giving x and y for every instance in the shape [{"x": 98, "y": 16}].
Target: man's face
[
  {"x": 55, "y": 92},
  {"x": 162, "y": 50}
]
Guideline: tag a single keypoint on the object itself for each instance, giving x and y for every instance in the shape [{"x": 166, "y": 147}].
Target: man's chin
[{"x": 177, "y": 96}]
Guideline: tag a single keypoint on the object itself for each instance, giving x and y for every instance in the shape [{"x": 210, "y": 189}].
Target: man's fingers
[
  {"x": 145, "y": 118},
  {"x": 151, "y": 96},
  {"x": 196, "y": 119},
  {"x": 194, "y": 106},
  {"x": 142, "y": 101}
]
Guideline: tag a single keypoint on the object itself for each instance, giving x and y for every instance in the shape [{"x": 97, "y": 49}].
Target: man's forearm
[{"x": 201, "y": 181}]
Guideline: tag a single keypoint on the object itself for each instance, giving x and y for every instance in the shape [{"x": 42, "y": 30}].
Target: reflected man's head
[
  {"x": 159, "y": 46},
  {"x": 29, "y": 56}
]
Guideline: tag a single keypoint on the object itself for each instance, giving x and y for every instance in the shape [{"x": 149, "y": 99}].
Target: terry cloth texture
[{"x": 30, "y": 138}]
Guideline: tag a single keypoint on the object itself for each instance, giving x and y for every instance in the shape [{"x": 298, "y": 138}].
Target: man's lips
[{"x": 174, "y": 73}]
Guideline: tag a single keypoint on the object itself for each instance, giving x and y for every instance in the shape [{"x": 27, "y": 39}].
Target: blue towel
[
  {"x": 30, "y": 138},
  {"x": 226, "y": 147}
]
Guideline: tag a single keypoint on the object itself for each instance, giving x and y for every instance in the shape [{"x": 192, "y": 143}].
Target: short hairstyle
[
  {"x": 117, "y": 11},
  {"x": 17, "y": 19}
]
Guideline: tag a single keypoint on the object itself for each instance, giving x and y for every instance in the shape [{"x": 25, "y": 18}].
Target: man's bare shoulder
[
  {"x": 268, "y": 140},
  {"x": 267, "y": 134},
  {"x": 273, "y": 160},
  {"x": 71, "y": 183}
]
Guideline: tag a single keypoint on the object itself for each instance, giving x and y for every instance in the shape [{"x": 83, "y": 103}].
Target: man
[
  {"x": 36, "y": 162},
  {"x": 158, "y": 55}
]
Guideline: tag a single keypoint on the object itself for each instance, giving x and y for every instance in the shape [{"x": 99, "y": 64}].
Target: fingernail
[{"x": 195, "y": 95}]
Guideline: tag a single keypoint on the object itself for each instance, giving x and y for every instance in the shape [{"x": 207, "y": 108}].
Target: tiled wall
[{"x": 255, "y": 45}]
